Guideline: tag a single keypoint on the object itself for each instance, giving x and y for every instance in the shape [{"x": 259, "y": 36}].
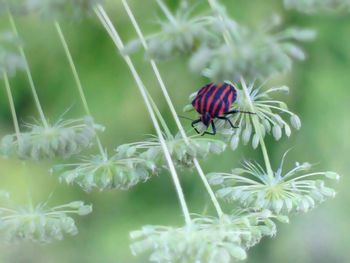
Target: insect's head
[{"x": 206, "y": 119}]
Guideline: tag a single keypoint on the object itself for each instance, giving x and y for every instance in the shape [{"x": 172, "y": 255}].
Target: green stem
[
  {"x": 12, "y": 107},
  {"x": 214, "y": 6},
  {"x": 172, "y": 109},
  {"x": 78, "y": 82},
  {"x": 118, "y": 42},
  {"x": 29, "y": 75},
  {"x": 167, "y": 12},
  {"x": 257, "y": 129},
  {"x": 160, "y": 117}
]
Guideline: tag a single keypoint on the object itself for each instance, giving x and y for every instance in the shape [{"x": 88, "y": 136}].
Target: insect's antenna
[{"x": 184, "y": 117}]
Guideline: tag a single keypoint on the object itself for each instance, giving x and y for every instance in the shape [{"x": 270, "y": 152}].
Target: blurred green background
[{"x": 319, "y": 94}]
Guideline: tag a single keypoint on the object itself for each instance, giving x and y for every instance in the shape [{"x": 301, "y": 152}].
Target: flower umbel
[
  {"x": 295, "y": 190},
  {"x": 63, "y": 139},
  {"x": 180, "y": 34},
  {"x": 39, "y": 223},
  {"x": 206, "y": 239},
  {"x": 181, "y": 152},
  {"x": 270, "y": 112},
  {"x": 121, "y": 171},
  {"x": 250, "y": 53}
]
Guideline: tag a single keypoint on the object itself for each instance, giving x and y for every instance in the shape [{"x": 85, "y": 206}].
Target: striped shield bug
[{"x": 214, "y": 101}]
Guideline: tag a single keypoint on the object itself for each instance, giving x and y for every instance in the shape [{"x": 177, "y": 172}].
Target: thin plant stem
[
  {"x": 118, "y": 42},
  {"x": 172, "y": 108},
  {"x": 257, "y": 130},
  {"x": 226, "y": 33},
  {"x": 12, "y": 106},
  {"x": 166, "y": 11},
  {"x": 78, "y": 82},
  {"x": 29, "y": 75},
  {"x": 160, "y": 117}
]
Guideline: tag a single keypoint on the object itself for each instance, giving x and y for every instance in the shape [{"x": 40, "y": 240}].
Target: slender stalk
[
  {"x": 12, "y": 106},
  {"x": 160, "y": 117},
  {"x": 29, "y": 75},
  {"x": 118, "y": 42},
  {"x": 257, "y": 130},
  {"x": 166, "y": 11},
  {"x": 172, "y": 108},
  {"x": 78, "y": 82},
  {"x": 226, "y": 33}
]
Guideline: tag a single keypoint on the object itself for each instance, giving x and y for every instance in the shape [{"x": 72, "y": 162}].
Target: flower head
[
  {"x": 182, "y": 152},
  {"x": 206, "y": 239},
  {"x": 63, "y": 139},
  {"x": 285, "y": 192},
  {"x": 269, "y": 113},
  {"x": 39, "y": 223},
  {"x": 120, "y": 171},
  {"x": 179, "y": 34},
  {"x": 250, "y": 53}
]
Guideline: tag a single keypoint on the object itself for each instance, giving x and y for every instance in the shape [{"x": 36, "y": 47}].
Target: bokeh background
[{"x": 319, "y": 94}]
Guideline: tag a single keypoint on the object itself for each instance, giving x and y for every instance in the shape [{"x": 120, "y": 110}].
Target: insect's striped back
[{"x": 215, "y": 99}]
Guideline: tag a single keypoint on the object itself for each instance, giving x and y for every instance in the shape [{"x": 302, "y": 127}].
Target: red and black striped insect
[{"x": 214, "y": 101}]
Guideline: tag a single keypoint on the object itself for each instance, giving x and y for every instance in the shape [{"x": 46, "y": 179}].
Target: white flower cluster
[
  {"x": 63, "y": 139},
  {"x": 206, "y": 239},
  {"x": 285, "y": 192},
  {"x": 38, "y": 223}
]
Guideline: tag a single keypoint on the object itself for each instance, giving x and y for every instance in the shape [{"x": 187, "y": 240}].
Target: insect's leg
[
  {"x": 214, "y": 129},
  {"x": 194, "y": 127},
  {"x": 229, "y": 121},
  {"x": 238, "y": 111}
]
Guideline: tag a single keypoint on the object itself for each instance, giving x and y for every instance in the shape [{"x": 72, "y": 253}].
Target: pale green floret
[
  {"x": 295, "y": 190},
  {"x": 63, "y": 139},
  {"x": 67, "y": 9},
  {"x": 206, "y": 239},
  {"x": 39, "y": 223},
  {"x": 313, "y": 6}
]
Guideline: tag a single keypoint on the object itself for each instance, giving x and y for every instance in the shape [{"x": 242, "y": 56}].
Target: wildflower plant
[
  {"x": 38, "y": 223},
  {"x": 252, "y": 53},
  {"x": 219, "y": 49}
]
